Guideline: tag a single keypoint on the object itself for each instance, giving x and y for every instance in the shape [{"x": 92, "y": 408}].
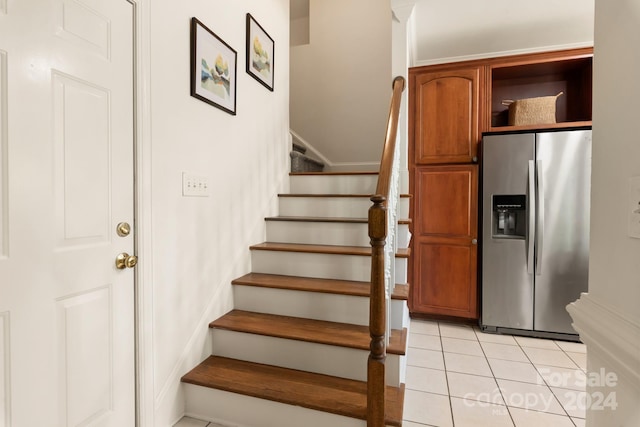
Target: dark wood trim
[
  {"x": 317, "y": 219},
  {"x": 327, "y": 219},
  {"x": 322, "y": 249},
  {"x": 538, "y": 127},
  {"x": 368, "y": 196},
  {"x": 309, "y": 284},
  {"x": 329, "y": 173},
  {"x": 525, "y": 58},
  {"x": 441, "y": 317},
  {"x": 308, "y": 330},
  {"x": 388, "y": 151}
]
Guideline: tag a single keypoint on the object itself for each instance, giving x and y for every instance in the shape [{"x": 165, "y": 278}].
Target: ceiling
[{"x": 465, "y": 29}]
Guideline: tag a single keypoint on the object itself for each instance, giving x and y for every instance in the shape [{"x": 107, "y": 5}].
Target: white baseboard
[
  {"x": 169, "y": 401},
  {"x": 615, "y": 338}
]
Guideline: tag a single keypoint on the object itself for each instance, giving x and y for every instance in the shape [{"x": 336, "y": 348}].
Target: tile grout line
[
  {"x": 528, "y": 362},
  {"x": 446, "y": 377},
  {"x": 543, "y": 379},
  {"x": 496, "y": 381}
]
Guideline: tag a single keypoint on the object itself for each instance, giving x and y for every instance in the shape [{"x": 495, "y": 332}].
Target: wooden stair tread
[
  {"x": 322, "y": 249},
  {"x": 309, "y": 284},
  {"x": 335, "y": 173},
  {"x": 314, "y": 391},
  {"x": 308, "y": 330},
  {"x": 367, "y": 196},
  {"x": 327, "y": 219}
]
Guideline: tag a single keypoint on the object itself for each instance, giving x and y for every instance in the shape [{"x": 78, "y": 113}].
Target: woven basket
[{"x": 532, "y": 111}]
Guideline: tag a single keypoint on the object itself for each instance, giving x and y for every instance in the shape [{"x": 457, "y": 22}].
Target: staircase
[
  {"x": 293, "y": 352},
  {"x": 300, "y": 162}
]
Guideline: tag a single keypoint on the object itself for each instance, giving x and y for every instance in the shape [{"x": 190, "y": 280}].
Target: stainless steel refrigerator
[{"x": 535, "y": 225}]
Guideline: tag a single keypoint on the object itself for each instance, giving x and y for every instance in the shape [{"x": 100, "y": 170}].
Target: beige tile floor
[{"x": 458, "y": 376}]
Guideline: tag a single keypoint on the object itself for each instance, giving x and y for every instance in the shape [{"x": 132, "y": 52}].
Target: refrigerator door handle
[
  {"x": 540, "y": 218},
  {"x": 532, "y": 217}
]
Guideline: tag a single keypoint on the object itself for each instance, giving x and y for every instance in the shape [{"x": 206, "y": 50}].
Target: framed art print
[
  {"x": 260, "y": 50},
  {"x": 213, "y": 68}
]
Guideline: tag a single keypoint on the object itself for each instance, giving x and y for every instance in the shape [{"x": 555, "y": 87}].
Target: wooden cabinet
[
  {"x": 445, "y": 241},
  {"x": 450, "y": 106},
  {"x": 446, "y": 106}
]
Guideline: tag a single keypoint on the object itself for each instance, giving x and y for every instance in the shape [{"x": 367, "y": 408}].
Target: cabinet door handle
[
  {"x": 474, "y": 241},
  {"x": 474, "y": 159}
]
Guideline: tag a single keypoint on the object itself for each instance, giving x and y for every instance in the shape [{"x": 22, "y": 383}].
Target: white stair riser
[
  {"x": 323, "y": 266},
  {"x": 301, "y": 355},
  {"x": 313, "y": 305},
  {"x": 238, "y": 410},
  {"x": 333, "y": 184},
  {"x": 401, "y": 270},
  {"x": 334, "y": 207},
  {"x": 346, "y": 267},
  {"x": 327, "y": 233}
]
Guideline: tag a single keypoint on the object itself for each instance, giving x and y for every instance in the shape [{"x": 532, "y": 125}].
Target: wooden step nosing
[
  {"x": 334, "y": 173},
  {"x": 335, "y": 195},
  {"x": 316, "y": 285},
  {"x": 398, "y": 347},
  {"x": 326, "y": 286},
  {"x": 284, "y": 378},
  {"x": 395, "y": 350},
  {"x": 323, "y": 249},
  {"x": 345, "y": 220},
  {"x": 339, "y": 220}
]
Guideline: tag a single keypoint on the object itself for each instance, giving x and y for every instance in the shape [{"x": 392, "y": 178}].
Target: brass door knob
[{"x": 124, "y": 260}]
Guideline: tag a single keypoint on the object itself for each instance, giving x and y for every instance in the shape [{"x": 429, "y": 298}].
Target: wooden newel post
[{"x": 376, "y": 386}]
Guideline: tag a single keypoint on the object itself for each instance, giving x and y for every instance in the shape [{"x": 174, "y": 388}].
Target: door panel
[
  {"x": 447, "y": 277},
  {"x": 565, "y": 178},
  {"x": 447, "y": 116},
  {"x": 507, "y": 286},
  {"x": 447, "y": 206},
  {"x": 66, "y": 128},
  {"x": 444, "y": 252},
  {"x": 81, "y": 140},
  {"x": 86, "y": 384}
]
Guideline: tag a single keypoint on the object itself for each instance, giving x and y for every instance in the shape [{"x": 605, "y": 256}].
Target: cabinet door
[
  {"x": 445, "y": 246},
  {"x": 446, "y": 116}
]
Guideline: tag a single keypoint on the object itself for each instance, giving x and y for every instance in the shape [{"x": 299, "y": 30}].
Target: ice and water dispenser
[{"x": 509, "y": 216}]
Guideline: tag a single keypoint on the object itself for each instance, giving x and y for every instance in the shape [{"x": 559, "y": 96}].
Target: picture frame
[
  {"x": 260, "y": 53},
  {"x": 213, "y": 68}
]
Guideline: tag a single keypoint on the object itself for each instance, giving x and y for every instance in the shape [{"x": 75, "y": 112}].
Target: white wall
[
  {"x": 453, "y": 30},
  {"x": 198, "y": 245},
  {"x": 341, "y": 81},
  {"x": 608, "y": 317}
]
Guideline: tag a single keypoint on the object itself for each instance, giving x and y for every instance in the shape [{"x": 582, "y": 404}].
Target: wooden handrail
[
  {"x": 386, "y": 164},
  {"x": 376, "y": 384}
]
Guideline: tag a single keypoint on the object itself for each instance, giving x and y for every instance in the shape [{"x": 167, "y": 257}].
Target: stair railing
[{"x": 382, "y": 218}]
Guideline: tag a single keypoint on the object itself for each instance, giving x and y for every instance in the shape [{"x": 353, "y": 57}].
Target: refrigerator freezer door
[
  {"x": 564, "y": 166},
  {"x": 507, "y": 286}
]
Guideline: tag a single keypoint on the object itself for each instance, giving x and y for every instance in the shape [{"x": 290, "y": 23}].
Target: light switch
[
  {"x": 634, "y": 207},
  {"x": 194, "y": 185}
]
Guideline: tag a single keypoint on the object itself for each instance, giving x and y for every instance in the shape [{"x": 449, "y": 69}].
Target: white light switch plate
[
  {"x": 634, "y": 207},
  {"x": 194, "y": 185}
]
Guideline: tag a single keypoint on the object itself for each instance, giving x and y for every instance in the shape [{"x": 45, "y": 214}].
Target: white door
[{"x": 66, "y": 133}]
